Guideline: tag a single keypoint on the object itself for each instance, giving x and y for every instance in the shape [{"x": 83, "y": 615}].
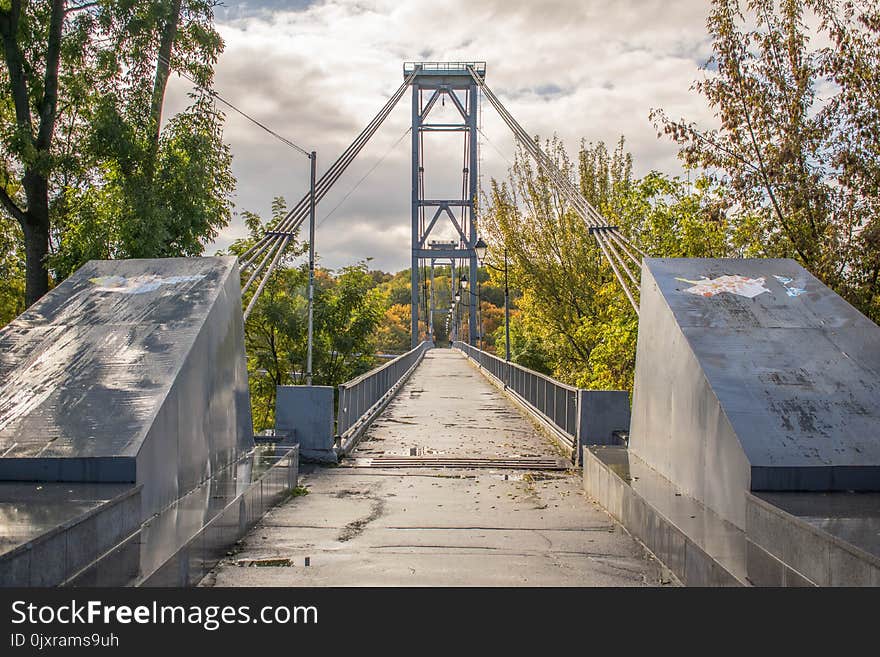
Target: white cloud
[{"x": 580, "y": 68}]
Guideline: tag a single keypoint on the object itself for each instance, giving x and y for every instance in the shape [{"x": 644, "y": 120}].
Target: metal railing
[
  {"x": 554, "y": 402},
  {"x": 446, "y": 67},
  {"x": 364, "y": 397}
]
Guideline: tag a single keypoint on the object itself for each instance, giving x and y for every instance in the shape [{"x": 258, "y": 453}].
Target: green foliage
[
  {"x": 526, "y": 348},
  {"x": 86, "y": 160},
  {"x": 785, "y": 174},
  {"x": 398, "y": 288},
  {"x": 797, "y": 145},
  {"x": 348, "y": 309},
  {"x": 574, "y": 321},
  {"x": 158, "y": 193},
  {"x": 11, "y": 271},
  {"x": 670, "y": 218},
  {"x": 394, "y": 331}
]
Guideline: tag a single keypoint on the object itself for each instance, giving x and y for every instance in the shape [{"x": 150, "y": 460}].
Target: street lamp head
[
  {"x": 458, "y": 295},
  {"x": 464, "y": 282},
  {"x": 480, "y": 249}
]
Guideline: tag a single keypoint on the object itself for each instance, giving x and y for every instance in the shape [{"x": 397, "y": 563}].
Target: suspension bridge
[{"x": 749, "y": 453}]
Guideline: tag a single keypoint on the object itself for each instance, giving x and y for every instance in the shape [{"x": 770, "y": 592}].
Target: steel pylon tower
[{"x": 433, "y": 81}]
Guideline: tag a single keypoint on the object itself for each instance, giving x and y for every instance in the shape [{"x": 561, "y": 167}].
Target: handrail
[
  {"x": 451, "y": 67},
  {"x": 361, "y": 377},
  {"x": 362, "y": 398},
  {"x": 554, "y": 402}
]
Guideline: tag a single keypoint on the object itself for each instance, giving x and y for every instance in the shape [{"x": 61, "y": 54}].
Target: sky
[{"x": 317, "y": 72}]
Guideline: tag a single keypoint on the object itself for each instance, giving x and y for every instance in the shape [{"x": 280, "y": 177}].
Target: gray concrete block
[
  {"x": 130, "y": 508},
  {"x": 83, "y": 544},
  {"x": 15, "y": 569},
  {"x": 650, "y": 511},
  {"x": 793, "y": 579},
  {"x": 120, "y": 566},
  {"x": 847, "y": 568},
  {"x": 675, "y": 550},
  {"x": 49, "y": 560},
  {"x": 304, "y": 415},
  {"x": 656, "y": 537},
  {"x": 602, "y": 412},
  {"x": 790, "y": 541},
  {"x": 721, "y": 577},
  {"x": 697, "y": 567},
  {"x": 110, "y": 524},
  {"x": 737, "y": 392},
  {"x": 141, "y": 365},
  {"x": 847, "y": 522},
  {"x": 635, "y": 516}
]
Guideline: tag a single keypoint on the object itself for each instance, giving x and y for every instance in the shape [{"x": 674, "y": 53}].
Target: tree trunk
[
  {"x": 34, "y": 219},
  {"x": 163, "y": 70},
  {"x": 36, "y": 248},
  {"x": 35, "y": 227}
]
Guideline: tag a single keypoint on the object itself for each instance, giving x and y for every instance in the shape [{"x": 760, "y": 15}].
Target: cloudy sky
[{"x": 317, "y": 72}]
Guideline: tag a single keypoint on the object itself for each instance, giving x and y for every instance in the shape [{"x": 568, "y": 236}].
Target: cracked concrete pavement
[{"x": 361, "y": 526}]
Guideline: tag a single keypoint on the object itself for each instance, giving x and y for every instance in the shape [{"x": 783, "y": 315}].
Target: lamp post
[
  {"x": 463, "y": 285},
  {"x": 454, "y": 310},
  {"x": 311, "y": 292},
  {"x": 480, "y": 248}
]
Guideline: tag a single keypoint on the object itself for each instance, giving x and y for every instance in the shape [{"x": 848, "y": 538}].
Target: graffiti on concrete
[
  {"x": 741, "y": 285},
  {"x": 790, "y": 289}
]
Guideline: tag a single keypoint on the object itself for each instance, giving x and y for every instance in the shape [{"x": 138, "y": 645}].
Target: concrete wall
[
  {"x": 190, "y": 560},
  {"x": 59, "y": 554},
  {"x": 738, "y": 391},
  {"x": 129, "y": 371},
  {"x": 784, "y": 550},
  {"x": 204, "y": 422},
  {"x": 304, "y": 416},
  {"x": 638, "y": 510},
  {"x": 602, "y": 412},
  {"x": 678, "y": 426}
]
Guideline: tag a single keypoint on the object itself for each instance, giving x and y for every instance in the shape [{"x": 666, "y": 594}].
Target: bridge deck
[{"x": 366, "y": 524}]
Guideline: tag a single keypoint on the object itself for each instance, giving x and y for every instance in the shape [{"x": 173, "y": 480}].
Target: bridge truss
[
  {"x": 434, "y": 82},
  {"x": 460, "y": 83}
]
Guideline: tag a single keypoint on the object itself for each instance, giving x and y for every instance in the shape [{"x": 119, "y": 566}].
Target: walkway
[{"x": 362, "y": 524}]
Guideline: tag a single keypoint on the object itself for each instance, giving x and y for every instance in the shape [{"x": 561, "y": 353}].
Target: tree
[
  {"x": 851, "y": 120},
  {"x": 553, "y": 261},
  {"x": 800, "y": 169},
  {"x": 32, "y": 48},
  {"x": 574, "y": 320},
  {"x": 347, "y": 310},
  {"x": 526, "y": 346},
  {"x": 86, "y": 167},
  {"x": 392, "y": 334},
  {"x": 161, "y": 189}
]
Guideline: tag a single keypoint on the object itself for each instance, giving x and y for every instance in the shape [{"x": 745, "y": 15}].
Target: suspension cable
[
  {"x": 608, "y": 237},
  {"x": 365, "y": 176},
  {"x": 211, "y": 92},
  {"x": 270, "y": 248},
  {"x": 294, "y": 218}
]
